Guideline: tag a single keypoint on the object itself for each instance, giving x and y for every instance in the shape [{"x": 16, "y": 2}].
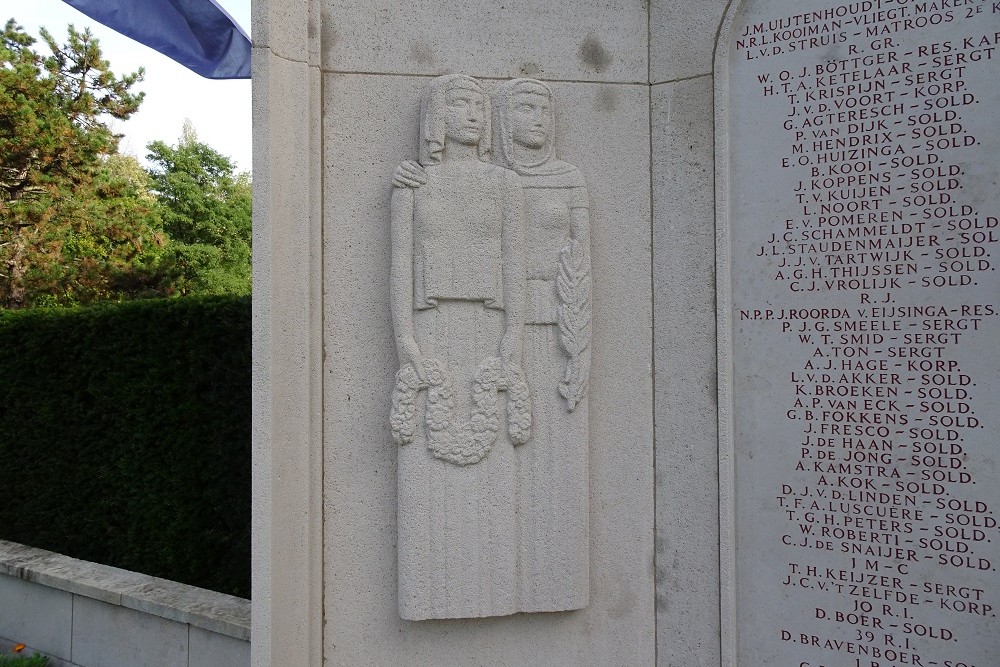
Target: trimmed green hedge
[
  {"x": 35, "y": 660},
  {"x": 125, "y": 436}
]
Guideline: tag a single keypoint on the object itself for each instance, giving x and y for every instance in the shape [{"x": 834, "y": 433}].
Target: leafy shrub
[
  {"x": 125, "y": 436},
  {"x": 36, "y": 660}
]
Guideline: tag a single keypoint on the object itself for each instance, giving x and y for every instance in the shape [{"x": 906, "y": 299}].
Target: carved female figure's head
[
  {"x": 455, "y": 108},
  {"x": 524, "y": 119}
]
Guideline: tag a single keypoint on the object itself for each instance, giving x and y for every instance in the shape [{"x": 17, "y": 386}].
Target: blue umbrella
[{"x": 198, "y": 34}]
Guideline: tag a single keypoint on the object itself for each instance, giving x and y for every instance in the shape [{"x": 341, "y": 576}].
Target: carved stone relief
[{"x": 490, "y": 293}]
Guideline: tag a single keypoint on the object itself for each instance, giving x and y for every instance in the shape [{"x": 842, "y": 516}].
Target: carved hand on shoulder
[{"x": 409, "y": 174}]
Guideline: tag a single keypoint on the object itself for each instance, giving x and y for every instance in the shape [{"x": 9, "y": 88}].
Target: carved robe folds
[{"x": 553, "y": 471}]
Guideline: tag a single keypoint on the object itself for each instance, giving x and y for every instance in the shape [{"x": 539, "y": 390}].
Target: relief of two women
[{"x": 490, "y": 293}]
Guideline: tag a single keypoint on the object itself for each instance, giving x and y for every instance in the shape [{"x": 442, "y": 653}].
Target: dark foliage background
[{"x": 125, "y": 436}]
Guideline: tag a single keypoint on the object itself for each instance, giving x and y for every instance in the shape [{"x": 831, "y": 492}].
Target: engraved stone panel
[{"x": 860, "y": 298}]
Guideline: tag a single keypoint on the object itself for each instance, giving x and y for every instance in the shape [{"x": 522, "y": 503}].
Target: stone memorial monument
[{"x": 700, "y": 370}]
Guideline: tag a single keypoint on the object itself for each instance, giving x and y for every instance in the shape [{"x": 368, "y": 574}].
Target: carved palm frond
[{"x": 573, "y": 287}]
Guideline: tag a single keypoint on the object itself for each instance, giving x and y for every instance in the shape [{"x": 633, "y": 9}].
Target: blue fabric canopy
[{"x": 198, "y": 34}]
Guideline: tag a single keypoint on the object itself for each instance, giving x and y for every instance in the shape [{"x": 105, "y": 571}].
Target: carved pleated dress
[
  {"x": 457, "y": 523},
  {"x": 553, "y": 469}
]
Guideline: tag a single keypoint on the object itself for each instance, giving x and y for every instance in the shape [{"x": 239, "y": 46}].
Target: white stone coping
[{"x": 216, "y": 612}]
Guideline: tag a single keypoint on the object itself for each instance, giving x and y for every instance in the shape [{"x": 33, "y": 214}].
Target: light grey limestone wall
[
  {"x": 687, "y": 508},
  {"x": 604, "y": 129},
  {"x": 84, "y": 614},
  {"x": 287, "y": 348},
  {"x": 683, "y": 39},
  {"x": 633, "y": 83},
  {"x": 373, "y": 79}
]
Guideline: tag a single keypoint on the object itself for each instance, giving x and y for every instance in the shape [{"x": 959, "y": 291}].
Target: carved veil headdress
[
  {"x": 503, "y": 98},
  {"x": 432, "y": 124}
]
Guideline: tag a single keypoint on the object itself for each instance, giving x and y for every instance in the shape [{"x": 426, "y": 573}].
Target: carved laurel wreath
[
  {"x": 573, "y": 286},
  {"x": 467, "y": 442}
]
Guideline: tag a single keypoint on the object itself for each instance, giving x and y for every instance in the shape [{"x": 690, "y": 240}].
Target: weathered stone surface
[
  {"x": 286, "y": 28},
  {"x": 113, "y": 636},
  {"x": 687, "y": 464},
  {"x": 682, "y": 38},
  {"x": 213, "y": 611},
  {"x": 37, "y": 616},
  {"x": 208, "y": 649},
  {"x": 858, "y": 309},
  {"x": 46, "y": 597},
  {"x": 604, "y": 127},
  {"x": 586, "y": 41},
  {"x": 286, "y": 571}
]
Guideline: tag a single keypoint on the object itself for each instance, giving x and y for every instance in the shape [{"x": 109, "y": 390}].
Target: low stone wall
[{"x": 83, "y": 614}]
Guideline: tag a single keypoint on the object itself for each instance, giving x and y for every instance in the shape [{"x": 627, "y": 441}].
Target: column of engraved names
[{"x": 880, "y": 502}]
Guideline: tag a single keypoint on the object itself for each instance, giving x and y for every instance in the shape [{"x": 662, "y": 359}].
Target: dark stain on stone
[
  {"x": 594, "y": 55},
  {"x": 421, "y": 54},
  {"x": 530, "y": 70},
  {"x": 328, "y": 39},
  {"x": 623, "y": 602},
  {"x": 607, "y": 99}
]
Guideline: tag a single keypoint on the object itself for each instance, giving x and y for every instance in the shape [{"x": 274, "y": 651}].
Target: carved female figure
[
  {"x": 553, "y": 472},
  {"x": 457, "y": 288}
]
